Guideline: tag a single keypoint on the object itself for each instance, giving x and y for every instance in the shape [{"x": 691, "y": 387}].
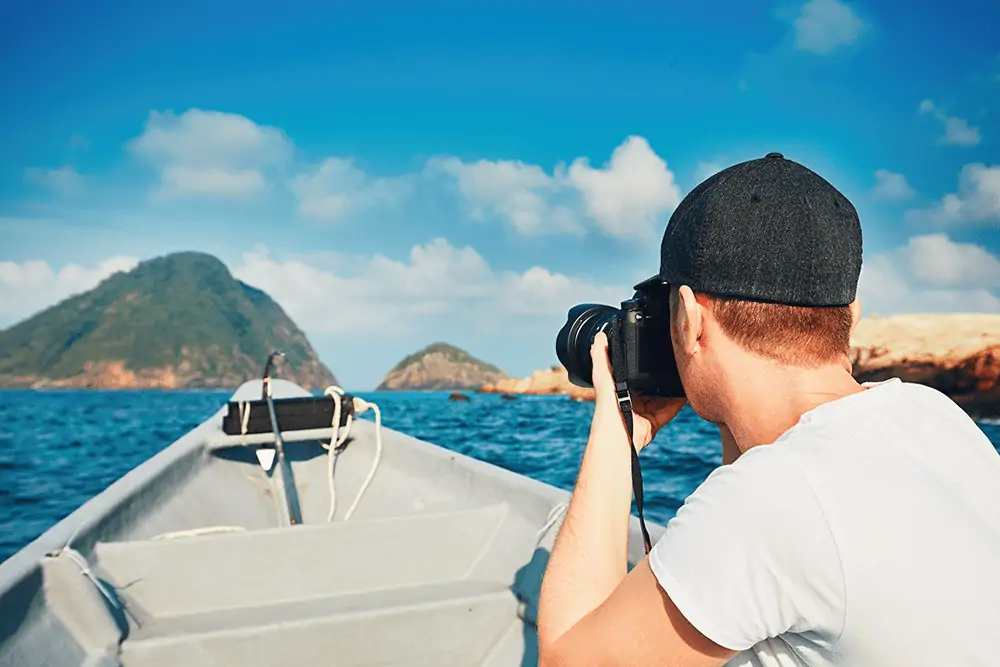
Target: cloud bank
[
  {"x": 31, "y": 286},
  {"x": 221, "y": 155},
  {"x": 977, "y": 200},
  {"x": 209, "y": 153},
  {"x": 931, "y": 274},
  {"x": 957, "y": 131}
]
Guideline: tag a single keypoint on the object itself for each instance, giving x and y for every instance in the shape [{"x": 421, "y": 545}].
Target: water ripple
[{"x": 60, "y": 448}]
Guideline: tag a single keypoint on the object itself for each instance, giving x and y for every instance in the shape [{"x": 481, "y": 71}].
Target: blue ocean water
[{"x": 60, "y": 448}]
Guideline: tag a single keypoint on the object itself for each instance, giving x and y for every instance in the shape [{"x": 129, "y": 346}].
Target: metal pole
[{"x": 284, "y": 467}]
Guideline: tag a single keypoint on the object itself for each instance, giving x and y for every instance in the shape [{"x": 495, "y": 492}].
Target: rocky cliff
[
  {"x": 554, "y": 380},
  {"x": 956, "y": 354},
  {"x": 440, "y": 366},
  {"x": 176, "y": 321}
]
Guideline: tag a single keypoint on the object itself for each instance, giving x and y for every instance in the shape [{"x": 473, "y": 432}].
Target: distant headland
[{"x": 177, "y": 321}]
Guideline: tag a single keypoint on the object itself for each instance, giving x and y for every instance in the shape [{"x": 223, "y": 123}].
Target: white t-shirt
[{"x": 868, "y": 535}]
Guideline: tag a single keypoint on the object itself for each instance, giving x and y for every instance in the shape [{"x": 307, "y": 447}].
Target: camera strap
[{"x": 625, "y": 406}]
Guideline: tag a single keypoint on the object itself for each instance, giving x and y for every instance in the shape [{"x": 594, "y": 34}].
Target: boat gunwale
[
  {"x": 85, "y": 522},
  {"x": 79, "y": 525}
]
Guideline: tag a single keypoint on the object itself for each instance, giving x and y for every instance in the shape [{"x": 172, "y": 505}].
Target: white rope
[
  {"x": 244, "y": 421},
  {"x": 334, "y": 449},
  {"x": 556, "y": 513},
  {"x": 85, "y": 570},
  {"x": 361, "y": 406},
  {"x": 334, "y": 446},
  {"x": 195, "y": 532}
]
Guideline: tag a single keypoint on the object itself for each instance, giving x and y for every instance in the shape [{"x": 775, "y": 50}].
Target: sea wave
[{"x": 60, "y": 448}]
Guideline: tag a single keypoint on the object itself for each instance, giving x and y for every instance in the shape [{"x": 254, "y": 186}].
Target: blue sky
[{"x": 467, "y": 171}]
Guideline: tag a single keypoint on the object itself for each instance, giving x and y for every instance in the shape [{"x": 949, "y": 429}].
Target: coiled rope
[
  {"x": 81, "y": 562},
  {"x": 335, "y": 447}
]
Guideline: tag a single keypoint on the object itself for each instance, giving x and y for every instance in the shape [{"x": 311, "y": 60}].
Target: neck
[{"x": 760, "y": 412}]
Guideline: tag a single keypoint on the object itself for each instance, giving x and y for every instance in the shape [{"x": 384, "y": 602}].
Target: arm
[
  {"x": 590, "y": 612},
  {"x": 728, "y": 573},
  {"x": 637, "y": 625},
  {"x": 589, "y": 558}
]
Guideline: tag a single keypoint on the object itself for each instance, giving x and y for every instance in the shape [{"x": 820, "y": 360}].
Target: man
[{"x": 849, "y": 524}]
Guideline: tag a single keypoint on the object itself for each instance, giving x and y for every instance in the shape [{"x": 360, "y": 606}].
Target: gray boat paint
[{"x": 440, "y": 565}]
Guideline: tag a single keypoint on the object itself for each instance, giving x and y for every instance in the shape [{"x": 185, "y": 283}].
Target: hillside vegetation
[{"x": 181, "y": 320}]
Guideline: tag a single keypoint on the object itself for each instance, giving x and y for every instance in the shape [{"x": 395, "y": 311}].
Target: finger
[{"x": 602, "y": 364}]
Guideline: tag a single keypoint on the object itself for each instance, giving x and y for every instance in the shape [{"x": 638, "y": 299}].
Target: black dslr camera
[{"x": 640, "y": 331}]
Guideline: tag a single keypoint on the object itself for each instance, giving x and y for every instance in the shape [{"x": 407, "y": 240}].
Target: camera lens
[{"x": 573, "y": 341}]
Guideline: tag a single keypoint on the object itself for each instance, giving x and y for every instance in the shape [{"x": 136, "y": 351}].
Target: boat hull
[{"x": 192, "y": 560}]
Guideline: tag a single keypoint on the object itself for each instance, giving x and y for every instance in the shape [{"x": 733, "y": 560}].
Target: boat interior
[{"x": 221, "y": 550}]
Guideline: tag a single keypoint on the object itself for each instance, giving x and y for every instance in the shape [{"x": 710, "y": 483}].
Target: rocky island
[
  {"x": 554, "y": 380},
  {"x": 958, "y": 355},
  {"x": 437, "y": 367},
  {"x": 177, "y": 321}
]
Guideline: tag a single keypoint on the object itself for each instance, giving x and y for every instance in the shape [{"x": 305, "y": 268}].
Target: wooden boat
[{"x": 221, "y": 550}]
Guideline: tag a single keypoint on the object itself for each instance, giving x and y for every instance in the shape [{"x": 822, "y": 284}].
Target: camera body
[{"x": 639, "y": 330}]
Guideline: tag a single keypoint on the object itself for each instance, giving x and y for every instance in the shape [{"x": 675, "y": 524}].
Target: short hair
[{"x": 790, "y": 335}]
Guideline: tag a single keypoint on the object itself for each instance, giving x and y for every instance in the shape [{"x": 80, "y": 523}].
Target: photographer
[{"x": 849, "y": 524}]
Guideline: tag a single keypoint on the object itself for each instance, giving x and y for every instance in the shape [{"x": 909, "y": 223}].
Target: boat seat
[
  {"x": 191, "y": 575},
  {"x": 451, "y": 623}
]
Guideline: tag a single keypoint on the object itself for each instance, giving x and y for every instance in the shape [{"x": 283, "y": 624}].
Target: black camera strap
[{"x": 625, "y": 406}]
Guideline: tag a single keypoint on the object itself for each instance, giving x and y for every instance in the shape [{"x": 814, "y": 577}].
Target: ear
[
  {"x": 690, "y": 322},
  {"x": 855, "y": 312}
]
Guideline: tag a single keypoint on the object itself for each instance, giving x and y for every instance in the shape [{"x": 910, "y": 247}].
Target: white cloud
[
  {"x": 627, "y": 196},
  {"x": 934, "y": 260},
  {"x": 931, "y": 274},
  {"x": 393, "y": 297},
  {"x": 209, "y": 153},
  {"x": 63, "y": 181},
  {"x": 523, "y": 194},
  {"x": 211, "y": 181},
  {"x": 214, "y": 154},
  {"x": 27, "y": 287},
  {"x": 539, "y": 292},
  {"x": 957, "y": 131},
  {"x": 891, "y": 186},
  {"x": 631, "y": 192},
  {"x": 977, "y": 199},
  {"x": 337, "y": 188},
  {"x": 822, "y": 26}
]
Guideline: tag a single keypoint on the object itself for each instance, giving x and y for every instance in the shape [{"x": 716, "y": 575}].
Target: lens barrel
[{"x": 573, "y": 342}]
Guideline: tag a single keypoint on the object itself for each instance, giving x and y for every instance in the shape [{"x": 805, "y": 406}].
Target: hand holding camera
[
  {"x": 638, "y": 336},
  {"x": 650, "y": 414}
]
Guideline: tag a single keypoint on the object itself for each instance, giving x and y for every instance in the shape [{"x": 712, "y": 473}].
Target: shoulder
[
  {"x": 763, "y": 489},
  {"x": 908, "y": 406},
  {"x": 895, "y": 396},
  {"x": 750, "y": 554}
]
